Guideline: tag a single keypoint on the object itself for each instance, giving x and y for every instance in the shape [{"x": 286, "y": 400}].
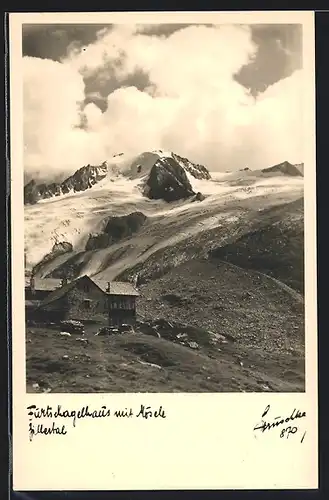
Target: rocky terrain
[
  {"x": 59, "y": 248},
  {"x": 285, "y": 168},
  {"x": 244, "y": 306},
  {"x": 163, "y": 177},
  {"x": 116, "y": 229},
  {"x": 158, "y": 356},
  {"x": 218, "y": 260},
  {"x": 198, "y": 171},
  {"x": 273, "y": 246},
  {"x": 168, "y": 181},
  {"x": 82, "y": 179}
]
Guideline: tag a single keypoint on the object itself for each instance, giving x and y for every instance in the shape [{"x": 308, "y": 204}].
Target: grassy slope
[
  {"x": 266, "y": 321},
  {"x": 116, "y": 364}
]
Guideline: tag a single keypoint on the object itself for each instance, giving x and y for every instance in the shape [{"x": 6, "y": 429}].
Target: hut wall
[
  {"x": 86, "y": 302},
  {"x": 122, "y": 309}
]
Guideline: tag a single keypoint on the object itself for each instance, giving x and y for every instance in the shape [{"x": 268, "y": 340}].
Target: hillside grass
[{"x": 141, "y": 363}]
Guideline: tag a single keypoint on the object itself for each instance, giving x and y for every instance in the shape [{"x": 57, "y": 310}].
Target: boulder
[
  {"x": 72, "y": 326},
  {"x": 62, "y": 247},
  {"x": 199, "y": 197}
]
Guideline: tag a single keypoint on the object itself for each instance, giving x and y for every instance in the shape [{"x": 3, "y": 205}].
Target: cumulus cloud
[
  {"x": 192, "y": 105},
  {"x": 53, "y": 138}
]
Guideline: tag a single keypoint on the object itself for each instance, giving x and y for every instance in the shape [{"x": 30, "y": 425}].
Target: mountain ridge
[
  {"x": 286, "y": 168},
  {"x": 171, "y": 179},
  {"x": 82, "y": 179},
  {"x": 164, "y": 175}
]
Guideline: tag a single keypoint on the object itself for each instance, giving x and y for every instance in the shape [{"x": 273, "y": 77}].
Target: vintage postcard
[{"x": 164, "y": 329}]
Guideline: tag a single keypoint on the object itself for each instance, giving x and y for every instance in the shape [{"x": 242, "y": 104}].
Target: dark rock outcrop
[
  {"x": 82, "y": 179},
  {"x": 49, "y": 190},
  {"x": 116, "y": 229},
  {"x": 62, "y": 247},
  {"x": 284, "y": 168},
  {"x": 300, "y": 167},
  {"x": 198, "y": 171},
  {"x": 59, "y": 248},
  {"x": 168, "y": 181},
  {"x": 31, "y": 193},
  {"x": 274, "y": 247},
  {"x": 187, "y": 335}
]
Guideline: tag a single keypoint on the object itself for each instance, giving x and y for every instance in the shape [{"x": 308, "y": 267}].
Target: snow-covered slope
[{"x": 73, "y": 217}]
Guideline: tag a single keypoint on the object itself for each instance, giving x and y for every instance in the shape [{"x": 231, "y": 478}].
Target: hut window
[{"x": 86, "y": 304}]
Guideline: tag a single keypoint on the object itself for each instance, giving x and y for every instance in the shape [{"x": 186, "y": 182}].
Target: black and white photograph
[
  {"x": 163, "y": 241},
  {"x": 163, "y": 207}
]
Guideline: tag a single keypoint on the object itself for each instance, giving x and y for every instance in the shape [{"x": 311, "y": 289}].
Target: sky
[{"x": 225, "y": 96}]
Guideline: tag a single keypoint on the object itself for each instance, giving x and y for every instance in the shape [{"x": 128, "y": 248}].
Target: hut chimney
[{"x": 108, "y": 289}]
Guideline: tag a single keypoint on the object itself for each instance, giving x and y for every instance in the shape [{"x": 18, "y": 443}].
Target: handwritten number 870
[{"x": 286, "y": 432}]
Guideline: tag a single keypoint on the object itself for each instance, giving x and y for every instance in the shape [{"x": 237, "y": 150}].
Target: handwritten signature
[{"x": 280, "y": 421}]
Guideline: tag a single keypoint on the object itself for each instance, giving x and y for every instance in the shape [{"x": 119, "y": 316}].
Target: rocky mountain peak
[
  {"x": 168, "y": 181},
  {"x": 84, "y": 178},
  {"x": 284, "y": 168},
  {"x": 198, "y": 171}
]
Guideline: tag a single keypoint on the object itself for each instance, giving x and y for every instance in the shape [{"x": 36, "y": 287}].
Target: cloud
[
  {"x": 277, "y": 121},
  {"x": 192, "y": 104},
  {"x": 53, "y": 139}
]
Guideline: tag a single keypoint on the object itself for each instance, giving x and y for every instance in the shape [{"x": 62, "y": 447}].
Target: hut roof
[
  {"x": 44, "y": 284},
  {"x": 57, "y": 294},
  {"x": 32, "y": 303},
  {"x": 116, "y": 287}
]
